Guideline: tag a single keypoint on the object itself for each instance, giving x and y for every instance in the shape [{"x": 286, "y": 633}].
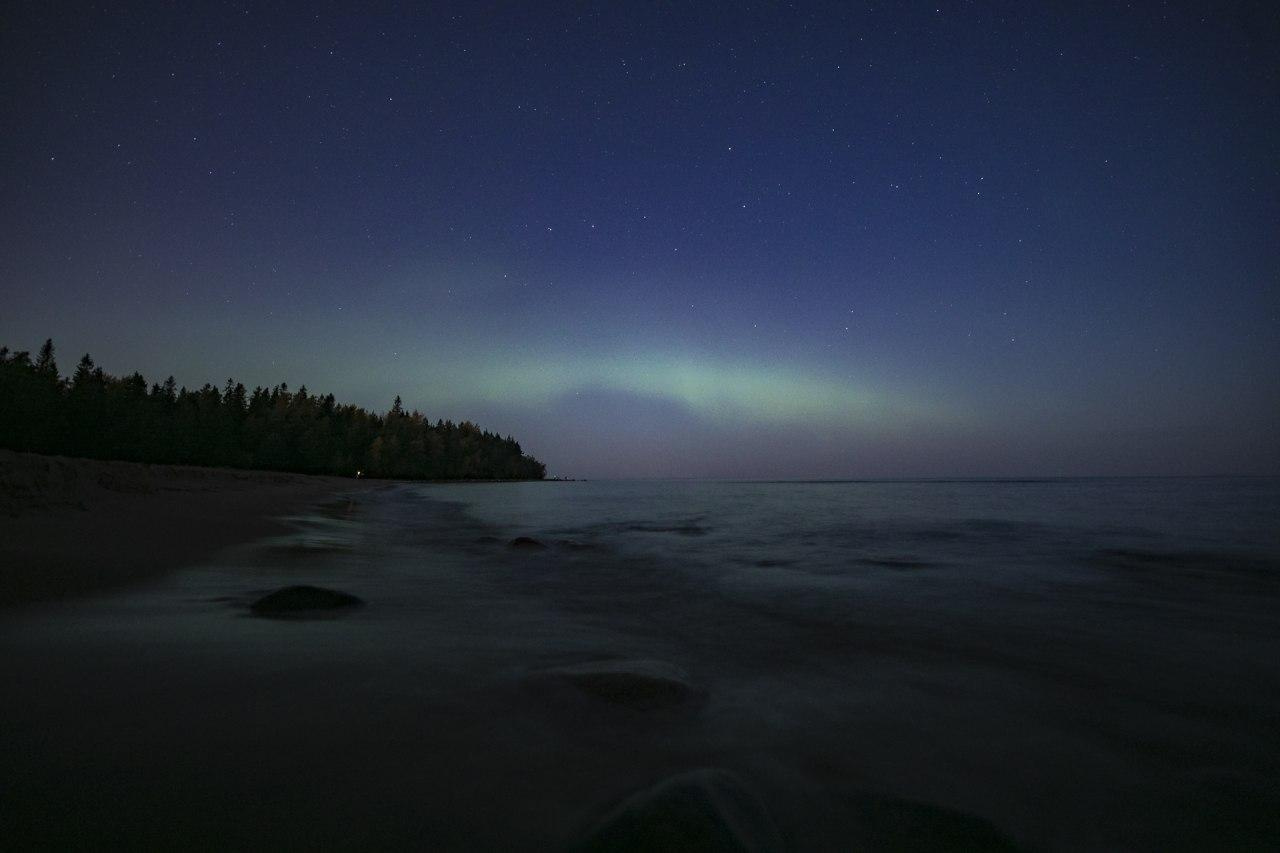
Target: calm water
[{"x": 1072, "y": 665}]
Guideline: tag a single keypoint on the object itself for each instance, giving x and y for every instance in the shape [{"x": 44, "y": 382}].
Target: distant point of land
[{"x": 94, "y": 415}]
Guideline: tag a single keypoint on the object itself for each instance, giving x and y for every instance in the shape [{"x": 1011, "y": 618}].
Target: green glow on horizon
[{"x": 711, "y": 389}]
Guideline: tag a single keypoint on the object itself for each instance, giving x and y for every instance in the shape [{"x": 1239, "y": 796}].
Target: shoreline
[
  {"x": 72, "y": 527},
  {"x": 952, "y": 670}
]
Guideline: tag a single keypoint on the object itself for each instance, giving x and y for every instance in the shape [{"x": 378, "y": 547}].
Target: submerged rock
[
  {"x": 702, "y": 810},
  {"x": 527, "y": 542},
  {"x": 636, "y": 683},
  {"x": 300, "y": 599}
]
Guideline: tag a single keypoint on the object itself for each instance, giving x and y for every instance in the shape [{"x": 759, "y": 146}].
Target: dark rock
[
  {"x": 526, "y": 542},
  {"x": 907, "y": 825},
  {"x": 300, "y": 599},
  {"x": 1206, "y": 808},
  {"x": 702, "y": 810},
  {"x": 636, "y": 683}
]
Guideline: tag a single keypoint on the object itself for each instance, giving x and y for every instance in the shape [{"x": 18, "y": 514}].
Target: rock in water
[
  {"x": 699, "y": 811},
  {"x": 526, "y": 542},
  {"x": 637, "y": 683},
  {"x": 300, "y": 599},
  {"x": 907, "y": 825}
]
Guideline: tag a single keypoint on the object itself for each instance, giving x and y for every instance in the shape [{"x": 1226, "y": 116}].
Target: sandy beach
[{"x": 75, "y": 526}]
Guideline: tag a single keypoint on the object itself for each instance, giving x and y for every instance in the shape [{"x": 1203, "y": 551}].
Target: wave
[{"x": 1190, "y": 562}]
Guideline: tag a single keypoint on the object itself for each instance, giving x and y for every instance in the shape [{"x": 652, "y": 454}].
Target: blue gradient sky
[{"x": 724, "y": 240}]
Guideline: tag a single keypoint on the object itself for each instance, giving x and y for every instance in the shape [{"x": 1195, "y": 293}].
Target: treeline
[{"x": 96, "y": 415}]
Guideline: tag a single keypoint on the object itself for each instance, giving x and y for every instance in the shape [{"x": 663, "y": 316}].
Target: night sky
[{"x": 738, "y": 240}]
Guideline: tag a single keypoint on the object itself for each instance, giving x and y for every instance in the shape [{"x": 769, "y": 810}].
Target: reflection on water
[{"x": 1058, "y": 665}]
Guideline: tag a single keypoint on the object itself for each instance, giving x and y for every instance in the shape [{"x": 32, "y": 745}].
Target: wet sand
[{"x": 70, "y": 527}]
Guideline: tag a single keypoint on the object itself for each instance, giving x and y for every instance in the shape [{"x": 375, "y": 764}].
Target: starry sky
[{"x": 665, "y": 239}]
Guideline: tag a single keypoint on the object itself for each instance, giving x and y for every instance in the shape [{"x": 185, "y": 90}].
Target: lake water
[{"x": 1051, "y": 665}]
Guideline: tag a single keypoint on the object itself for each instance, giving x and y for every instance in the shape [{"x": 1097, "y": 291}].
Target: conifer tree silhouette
[{"x": 96, "y": 415}]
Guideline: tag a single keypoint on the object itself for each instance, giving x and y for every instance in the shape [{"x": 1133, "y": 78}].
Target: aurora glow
[
  {"x": 711, "y": 390},
  {"x": 732, "y": 241}
]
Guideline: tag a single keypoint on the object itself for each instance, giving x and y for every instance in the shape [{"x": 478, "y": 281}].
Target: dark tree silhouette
[
  {"x": 45, "y": 363},
  {"x": 96, "y": 415}
]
